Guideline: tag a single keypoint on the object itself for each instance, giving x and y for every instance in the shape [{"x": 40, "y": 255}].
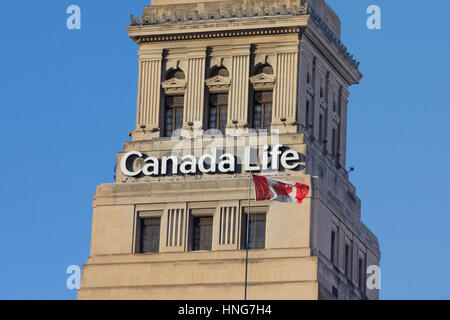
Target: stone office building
[{"x": 253, "y": 72}]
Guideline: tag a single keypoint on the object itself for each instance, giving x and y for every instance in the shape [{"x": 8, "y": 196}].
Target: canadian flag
[{"x": 268, "y": 189}]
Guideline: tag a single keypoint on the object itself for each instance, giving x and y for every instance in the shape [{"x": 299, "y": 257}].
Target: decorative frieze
[{"x": 215, "y": 11}]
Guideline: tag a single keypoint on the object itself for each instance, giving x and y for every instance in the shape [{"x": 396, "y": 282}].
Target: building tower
[{"x": 238, "y": 77}]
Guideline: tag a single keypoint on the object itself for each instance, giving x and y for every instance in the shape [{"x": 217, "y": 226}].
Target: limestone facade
[{"x": 285, "y": 58}]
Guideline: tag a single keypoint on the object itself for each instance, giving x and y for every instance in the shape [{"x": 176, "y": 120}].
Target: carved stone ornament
[
  {"x": 218, "y": 84},
  {"x": 174, "y": 86},
  {"x": 263, "y": 81}
]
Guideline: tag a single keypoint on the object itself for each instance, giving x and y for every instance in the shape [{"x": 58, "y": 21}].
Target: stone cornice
[
  {"x": 347, "y": 70},
  {"x": 333, "y": 38},
  {"x": 216, "y": 34},
  {"x": 154, "y": 28}
]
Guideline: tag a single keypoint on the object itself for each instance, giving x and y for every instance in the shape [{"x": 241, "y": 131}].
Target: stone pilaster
[
  {"x": 285, "y": 92},
  {"x": 343, "y": 117},
  {"x": 239, "y": 91},
  {"x": 195, "y": 90},
  {"x": 148, "y": 106}
]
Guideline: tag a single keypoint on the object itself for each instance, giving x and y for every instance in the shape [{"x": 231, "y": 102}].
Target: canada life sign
[{"x": 273, "y": 158}]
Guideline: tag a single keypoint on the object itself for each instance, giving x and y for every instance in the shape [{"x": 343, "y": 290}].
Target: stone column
[
  {"x": 195, "y": 90},
  {"x": 239, "y": 90},
  {"x": 285, "y": 92},
  {"x": 148, "y": 108}
]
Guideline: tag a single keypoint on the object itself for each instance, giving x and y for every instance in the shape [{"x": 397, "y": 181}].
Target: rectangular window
[
  {"x": 334, "y": 143},
  {"x": 262, "y": 111},
  {"x": 150, "y": 231},
  {"x": 321, "y": 128},
  {"x": 348, "y": 261},
  {"x": 338, "y": 140},
  {"x": 202, "y": 233},
  {"x": 307, "y": 120},
  {"x": 173, "y": 114},
  {"x": 335, "y": 292},
  {"x": 321, "y": 88},
  {"x": 361, "y": 274},
  {"x": 256, "y": 230},
  {"x": 218, "y": 111},
  {"x": 333, "y": 246}
]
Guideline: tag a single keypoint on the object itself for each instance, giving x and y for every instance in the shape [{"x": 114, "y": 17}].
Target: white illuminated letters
[
  {"x": 227, "y": 160},
  {"x": 208, "y": 160},
  {"x": 124, "y": 163},
  {"x": 152, "y": 167},
  {"x": 275, "y": 154},
  {"x": 211, "y": 163},
  {"x": 290, "y": 156},
  {"x": 248, "y": 160},
  {"x": 189, "y": 165}
]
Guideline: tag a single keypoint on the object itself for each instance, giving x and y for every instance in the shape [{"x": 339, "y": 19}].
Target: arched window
[
  {"x": 218, "y": 85},
  {"x": 174, "y": 87},
  {"x": 263, "y": 83}
]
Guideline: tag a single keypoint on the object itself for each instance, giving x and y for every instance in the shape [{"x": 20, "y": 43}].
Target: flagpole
[{"x": 247, "y": 235}]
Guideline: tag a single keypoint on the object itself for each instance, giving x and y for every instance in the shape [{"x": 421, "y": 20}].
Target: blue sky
[{"x": 68, "y": 99}]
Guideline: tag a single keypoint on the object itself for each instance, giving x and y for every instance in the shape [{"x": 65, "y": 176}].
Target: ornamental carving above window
[
  {"x": 264, "y": 78},
  {"x": 220, "y": 80},
  {"x": 176, "y": 83}
]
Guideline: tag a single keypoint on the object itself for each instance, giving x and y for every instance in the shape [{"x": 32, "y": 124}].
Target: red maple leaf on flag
[{"x": 282, "y": 189}]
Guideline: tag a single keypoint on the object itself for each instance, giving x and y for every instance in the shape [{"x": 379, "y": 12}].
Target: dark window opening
[
  {"x": 334, "y": 292},
  {"x": 333, "y": 246},
  {"x": 321, "y": 137},
  {"x": 202, "y": 233},
  {"x": 256, "y": 231},
  {"x": 150, "y": 231},
  {"x": 173, "y": 114},
  {"x": 218, "y": 111},
  {"x": 361, "y": 275},
  {"x": 348, "y": 261},
  {"x": 262, "y": 110},
  {"x": 334, "y": 143},
  {"x": 307, "y": 120},
  {"x": 321, "y": 88}
]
